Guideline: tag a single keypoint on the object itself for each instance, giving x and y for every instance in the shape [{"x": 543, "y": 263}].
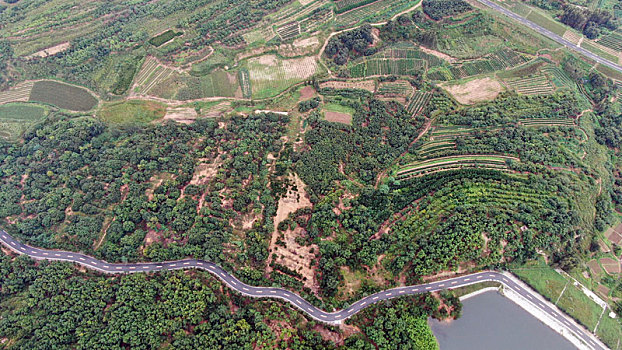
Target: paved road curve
[
  {"x": 296, "y": 300},
  {"x": 551, "y": 35}
]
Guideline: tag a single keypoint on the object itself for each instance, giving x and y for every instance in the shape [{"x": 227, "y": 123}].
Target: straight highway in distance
[
  {"x": 551, "y": 35},
  {"x": 293, "y": 298}
]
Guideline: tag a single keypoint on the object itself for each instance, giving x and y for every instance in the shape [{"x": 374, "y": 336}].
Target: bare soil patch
[
  {"x": 293, "y": 255},
  {"x": 183, "y": 115},
  {"x": 611, "y": 266},
  {"x": 594, "y": 267},
  {"x": 475, "y": 91},
  {"x": 337, "y": 117},
  {"x": 307, "y": 92},
  {"x": 369, "y": 85},
  {"x": 51, "y": 50},
  {"x": 615, "y": 235}
]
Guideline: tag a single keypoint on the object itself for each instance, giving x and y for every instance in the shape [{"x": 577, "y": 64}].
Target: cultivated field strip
[
  {"x": 418, "y": 101},
  {"x": 151, "y": 74},
  {"x": 19, "y": 93},
  {"x": 537, "y": 84},
  {"x": 612, "y": 41},
  {"x": 539, "y": 122},
  {"x": 488, "y": 161}
]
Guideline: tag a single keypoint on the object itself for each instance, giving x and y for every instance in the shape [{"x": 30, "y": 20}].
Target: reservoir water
[{"x": 491, "y": 321}]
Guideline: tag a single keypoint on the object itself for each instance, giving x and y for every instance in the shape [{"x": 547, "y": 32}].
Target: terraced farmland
[
  {"x": 418, "y": 101},
  {"x": 429, "y": 166},
  {"x": 558, "y": 76},
  {"x": 430, "y": 148},
  {"x": 450, "y": 132},
  {"x": 387, "y": 66},
  {"x": 396, "y": 88},
  {"x": 316, "y": 19},
  {"x": 15, "y": 118},
  {"x": 62, "y": 95},
  {"x": 537, "y": 84},
  {"x": 612, "y": 41},
  {"x": 19, "y": 93},
  {"x": 540, "y": 122},
  {"x": 373, "y": 12},
  {"x": 150, "y": 75},
  {"x": 498, "y": 60},
  {"x": 288, "y": 31}
]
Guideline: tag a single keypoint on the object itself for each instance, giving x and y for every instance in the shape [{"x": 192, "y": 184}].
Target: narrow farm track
[{"x": 506, "y": 279}]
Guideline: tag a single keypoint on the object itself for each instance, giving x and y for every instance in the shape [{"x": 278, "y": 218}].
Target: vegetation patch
[
  {"x": 62, "y": 95},
  {"x": 15, "y": 118},
  {"x": 163, "y": 38},
  {"x": 132, "y": 112}
]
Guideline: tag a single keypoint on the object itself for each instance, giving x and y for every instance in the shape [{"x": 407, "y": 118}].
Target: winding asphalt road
[
  {"x": 551, "y": 35},
  {"x": 266, "y": 292}
]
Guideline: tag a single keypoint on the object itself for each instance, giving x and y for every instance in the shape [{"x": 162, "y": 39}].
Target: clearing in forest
[
  {"x": 271, "y": 75},
  {"x": 474, "y": 91},
  {"x": 284, "y": 249}
]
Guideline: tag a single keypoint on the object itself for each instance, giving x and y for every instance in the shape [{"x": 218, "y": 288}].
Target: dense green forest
[{"x": 52, "y": 305}]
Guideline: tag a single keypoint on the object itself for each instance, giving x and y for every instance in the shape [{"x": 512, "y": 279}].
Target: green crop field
[
  {"x": 380, "y": 66},
  {"x": 532, "y": 85},
  {"x": 373, "y": 12},
  {"x": 164, "y": 37},
  {"x": 132, "y": 112},
  {"x": 15, "y": 118},
  {"x": 62, "y": 95},
  {"x": 429, "y": 166},
  {"x": 612, "y": 41},
  {"x": 418, "y": 101},
  {"x": 547, "y": 22}
]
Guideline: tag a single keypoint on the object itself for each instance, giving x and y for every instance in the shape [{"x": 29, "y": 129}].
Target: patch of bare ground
[
  {"x": 51, "y": 50},
  {"x": 336, "y": 338},
  {"x": 337, "y": 117},
  {"x": 369, "y": 85},
  {"x": 291, "y": 254},
  {"x": 307, "y": 92},
  {"x": 184, "y": 115},
  {"x": 474, "y": 91},
  {"x": 299, "y": 47}
]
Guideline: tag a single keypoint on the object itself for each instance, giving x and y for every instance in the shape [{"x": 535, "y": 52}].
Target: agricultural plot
[
  {"x": 600, "y": 50},
  {"x": 270, "y": 75},
  {"x": 432, "y": 148},
  {"x": 244, "y": 79},
  {"x": 538, "y": 84},
  {"x": 429, "y": 166},
  {"x": 450, "y": 132},
  {"x": 410, "y": 52},
  {"x": 387, "y": 66},
  {"x": 474, "y": 91},
  {"x": 288, "y": 31},
  {"x": 558, "y": 76},
  {"x": 16, "y": 118},
  {"x": 418, "y": 101},
  {"x": 62, "y": 95},
  {"x": 316, "y": 19},
  {"x": 612, "y": 41},
  {"x": 369, "y": 85},
  {"x": 150, "y": 75},
  {"x": 19, "y": 93},
  {"x": 374, "y": 12},
  {"x": 540, "y": 122},
  {"x": 571, "y": 36},
  {"x": 547, "y": 22},
  {"x": 398, "y": 90},
  {"x": 498, "y": 60},
  {"x": 131, "y": 112}
]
